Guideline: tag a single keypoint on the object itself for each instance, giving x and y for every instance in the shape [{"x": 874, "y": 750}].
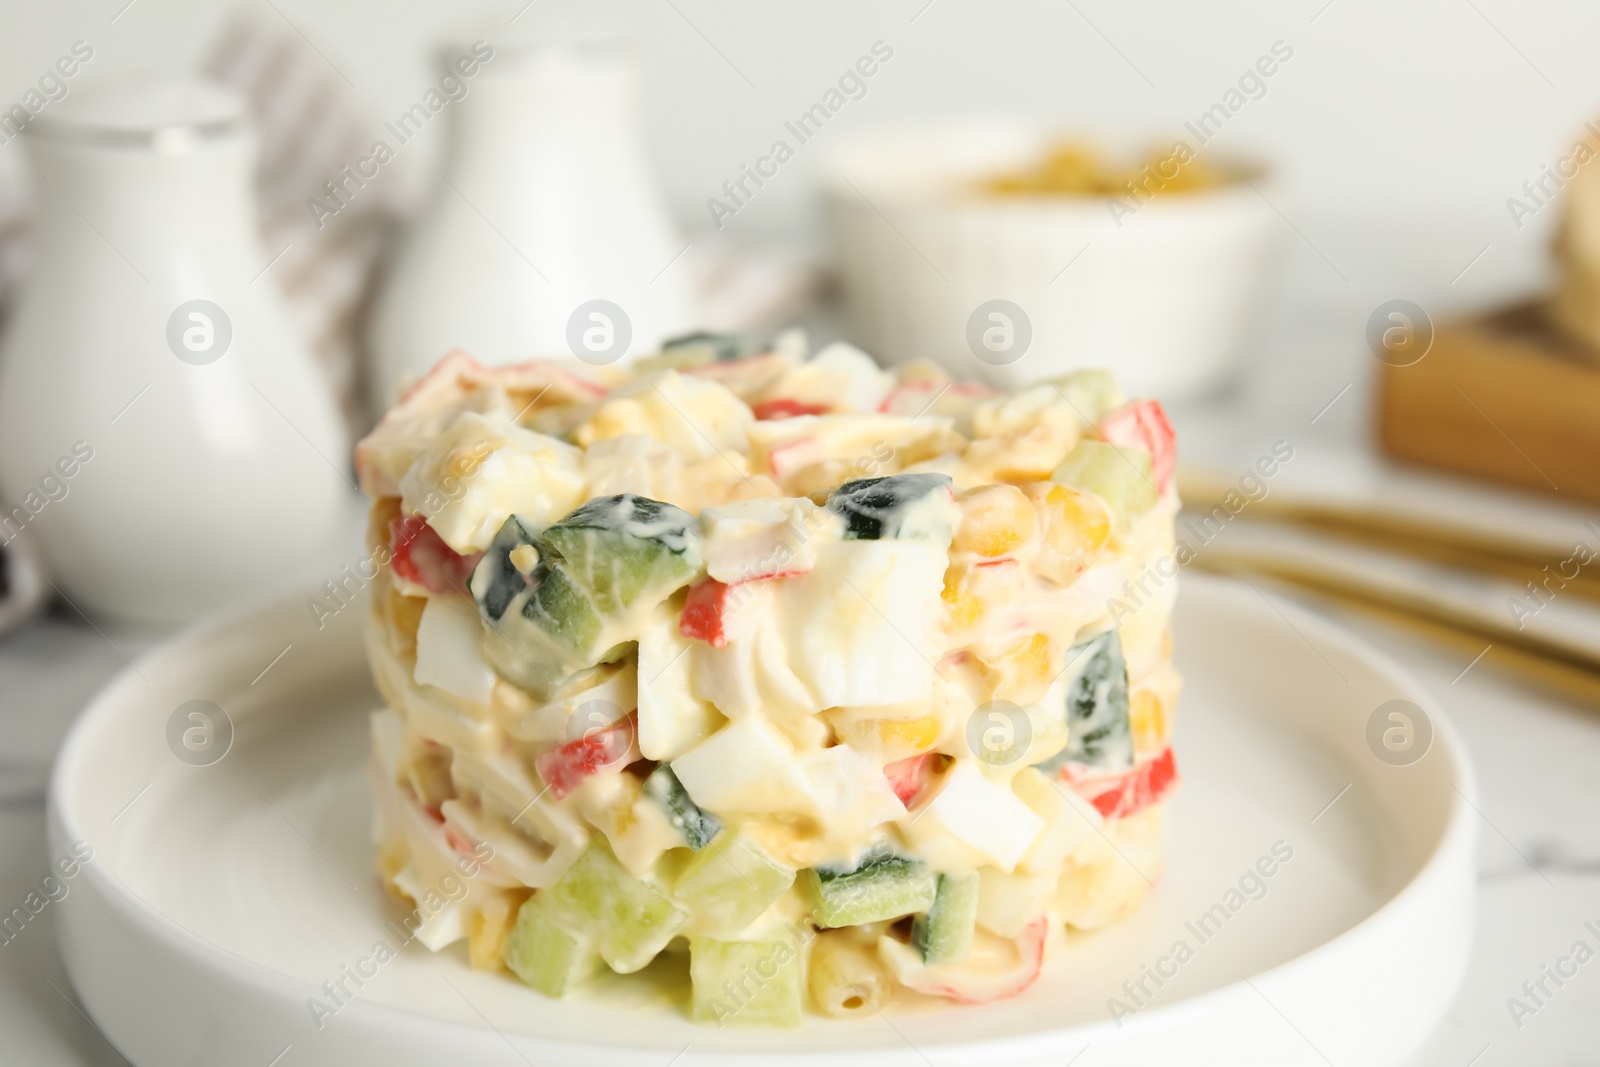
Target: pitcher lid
[{"x": 167, "y": 115}]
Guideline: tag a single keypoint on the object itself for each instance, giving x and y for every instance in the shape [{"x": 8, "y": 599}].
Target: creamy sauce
[{"x": 836, "y": 658}]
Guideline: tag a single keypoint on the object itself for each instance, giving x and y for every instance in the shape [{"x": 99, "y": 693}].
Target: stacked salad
[{"x": 819, "y": 682}]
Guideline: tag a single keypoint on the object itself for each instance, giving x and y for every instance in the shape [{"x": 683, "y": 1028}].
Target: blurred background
[{"x": 1383, "y": 252}]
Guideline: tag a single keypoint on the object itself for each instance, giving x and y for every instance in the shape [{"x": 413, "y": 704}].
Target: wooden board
[{"x": 1504, "y": 397}]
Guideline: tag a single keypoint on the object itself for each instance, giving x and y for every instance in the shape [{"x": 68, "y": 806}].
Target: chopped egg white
[
  {"x": 868, "y": 445},
  {"x": 840, "y": 377},
  {"x": 763, "y": 536},
  {"x": 634, "y": 463},
  {"x": 860, "y": 626},
  {"x": 482, "y": 470},
  {"x": 746, "y": 766},
  {"x": 979, "y": 815},
  {"x": 449, "y": 650},
  {"x": 850, "y": 792},
  {"x": 672, "y": 717},
  {"x": 1008, "y": 902},
  {"x": 695, "y": 417}
]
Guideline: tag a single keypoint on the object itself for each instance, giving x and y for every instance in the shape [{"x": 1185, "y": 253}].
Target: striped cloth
[{"x": 310, "y": 123}]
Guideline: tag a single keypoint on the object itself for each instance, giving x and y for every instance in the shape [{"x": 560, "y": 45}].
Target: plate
[{"x": 1320, "y": 882}]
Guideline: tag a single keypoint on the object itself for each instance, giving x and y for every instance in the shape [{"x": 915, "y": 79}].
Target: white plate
[{"x": 220, "y": 898}]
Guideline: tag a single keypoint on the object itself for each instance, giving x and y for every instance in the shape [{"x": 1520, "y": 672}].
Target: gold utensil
[
  {"x": 1566, "y": 668},
  {"x": 1413, "y": 535}
]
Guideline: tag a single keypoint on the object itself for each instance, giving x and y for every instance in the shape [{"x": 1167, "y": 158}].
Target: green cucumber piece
[
  {"x": 751, "y": 983},
  {"x": 564, "y": 611},
  {"x": 544, "y": 955},
  {"x": 1119, "y": 476},
  {"x": 692, "y": 350},
  {"x": 496, "y": 581},
  {"x": 728, "y": 884},
  {"x": 884, "y": 886},
  {"x": 896, "y": 506},
  {"x": 1092, "y": 391},
  {"x": 943, "y": 934},
  {"x": 628, "y": 920},
  {"x": 609, "y": 557},
  {"x": 696, "y": 825},
  {"x": 715, "y": 347},
  {"x": 561, "y": 611},
  {"x": 626, "y": 549},
  {"x": 1099, "y": 733}
]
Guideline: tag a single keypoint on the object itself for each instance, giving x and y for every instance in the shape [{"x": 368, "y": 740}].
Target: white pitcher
[
  {"x": 164, "y": 434},
  {"x": 547, "y": 203}
]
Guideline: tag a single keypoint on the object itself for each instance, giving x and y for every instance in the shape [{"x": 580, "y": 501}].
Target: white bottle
[
  {"x": 148, "y": 356},
  {"x": 547, "y": 203}
]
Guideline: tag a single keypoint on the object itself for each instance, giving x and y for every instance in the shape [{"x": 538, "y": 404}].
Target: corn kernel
[
  {"x": 1019, "y": 438},
  {"x": 613, "y": 419},
  {"x": 794, "y": 841},
  {"x": 1023, "y": 672},
  {"x": 921, "y": 371},
  {"x": 918, "y": 734},
  {"x": 385, "y": 510},
  {"x": 525, "y": 558},
  {"x": 1079, "y": 522},
  {"x": 488, "y": 926},
  {"x": 964, "y": 607},
  {"x": 428, "y": 772},
  {"x": 995, "y": 520},
  {"x": 1147, "y": 717},
  {"x": 1076, "y": 526},
  {"x": 405, "y": 615}
]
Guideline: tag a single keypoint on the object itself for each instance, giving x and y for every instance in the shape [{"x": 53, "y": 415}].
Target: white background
[
  {"x": 1398, "y": 131},
  {"x": 1423, "y": 115}
]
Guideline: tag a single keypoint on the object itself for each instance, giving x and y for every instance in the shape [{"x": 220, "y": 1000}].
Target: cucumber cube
[
  {"x": 625, "y": 548},
  {"x": 559, "y": 599},
  {"x": 697, "y": 827},
  {"x": 912, "y": 506},
  {"x": 714, "y": 347},
  {"x": 628, "y": 920},
  {"x": 544, "y": 955},
  {"x": 1119, "y": 476},
  {"x": 749, "y": 983},
  {"x": 884, "y": 886},
  {"x": 508, "y": 589},
  {"x": 692, "y": 350},
  {"x": 1099, "y": 733},
  {"x": 562, "y": 609},
  {"x": 943, "y": 934},
  {"x": 497, "y": 580},
  {"x": 730, "y": 883},
  {"x": 1091, "y": 391}
]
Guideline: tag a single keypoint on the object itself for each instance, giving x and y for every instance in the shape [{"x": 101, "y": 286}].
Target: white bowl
[
  {"x": 1166, "y": 294},
  {"x": 220, "y": 898}
]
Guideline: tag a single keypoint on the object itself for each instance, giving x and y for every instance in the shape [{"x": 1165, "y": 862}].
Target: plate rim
[{"x": 1459, "y": 833}]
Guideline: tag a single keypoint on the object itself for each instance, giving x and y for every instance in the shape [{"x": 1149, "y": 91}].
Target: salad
[{"x": 817, "y": 681}]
